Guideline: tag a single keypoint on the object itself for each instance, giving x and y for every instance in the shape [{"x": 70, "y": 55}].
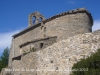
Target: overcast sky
[{"x": 14, "y": 14}]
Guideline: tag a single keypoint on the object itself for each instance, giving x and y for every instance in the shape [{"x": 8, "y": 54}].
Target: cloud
[
  {"x": 71, "y": 1},
  {"x": 74, "y": 2},
  {"x": 96, "y": 25},
  {"x": 5, "y": 39}
]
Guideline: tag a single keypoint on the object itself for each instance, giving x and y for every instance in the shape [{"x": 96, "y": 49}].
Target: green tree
[
  {"x": 91, "y": 63},
  {"x": 4, "y": 59}
]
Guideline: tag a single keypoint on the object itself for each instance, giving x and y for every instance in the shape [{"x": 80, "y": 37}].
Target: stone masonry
[
  {"x": 63, "y": 25},
  {"x": 51, "y": 46},
  {"x": 59, "y": 58}
]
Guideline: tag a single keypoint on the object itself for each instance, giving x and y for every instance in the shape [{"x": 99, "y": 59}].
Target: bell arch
[{"x": 35, "y": 18}]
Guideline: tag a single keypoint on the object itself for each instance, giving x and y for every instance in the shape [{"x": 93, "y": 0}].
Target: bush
[
  {"x": 33, "y": 49},
  {"x": 91, "y": 65}
]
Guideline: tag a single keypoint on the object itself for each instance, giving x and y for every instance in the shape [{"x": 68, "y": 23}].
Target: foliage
[
  {"x": 4, "y": 59},
  {"x": 88, "y": 66},
  {"x": 31, "y": 50},
  {"x": 24, "y": 52}
]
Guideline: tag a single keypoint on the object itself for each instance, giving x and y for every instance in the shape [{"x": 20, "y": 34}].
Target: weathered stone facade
[
  {"x": 38, "y": 44},
  {"x": 53, "y": 44},
  {"x": 63, "y": 25},
  {"x": 58, "y": 58}
]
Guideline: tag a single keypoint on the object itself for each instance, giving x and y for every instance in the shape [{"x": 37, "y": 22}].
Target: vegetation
[
  {"x": 24, "y": 52},
  {"x": 31, "y": 50},
  {"x": 88, "y": 66},
  {"x": 4, "y": 59}
]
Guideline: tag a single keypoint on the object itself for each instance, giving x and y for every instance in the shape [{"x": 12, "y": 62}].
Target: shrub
[{"x": 91, "y": 63}]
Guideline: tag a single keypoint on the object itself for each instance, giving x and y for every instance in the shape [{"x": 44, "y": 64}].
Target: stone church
[{"x": 50, "y": 44}]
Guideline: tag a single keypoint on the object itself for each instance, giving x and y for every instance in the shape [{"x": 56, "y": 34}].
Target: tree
[
  {"x": 91, "y": 63},
  {"x": 4, "y": 59}
]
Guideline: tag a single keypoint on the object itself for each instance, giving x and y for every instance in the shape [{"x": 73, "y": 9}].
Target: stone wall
[
  {"x": 63, "y": 26},
  {"x": 59, "y": 58},
  {"x": 11, "y": 55},
  {"x": 29, "y": 35},
  {"x": 32, "y": 34},
  {"x": 68, "y": 25},
  {"x": 37, "y": 44}
]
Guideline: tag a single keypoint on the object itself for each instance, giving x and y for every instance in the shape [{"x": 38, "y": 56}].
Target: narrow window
[
  {"x": 40, "y": 19},
  {"x": 41, "y": 45},
  {"x": 34, "y": 20}
]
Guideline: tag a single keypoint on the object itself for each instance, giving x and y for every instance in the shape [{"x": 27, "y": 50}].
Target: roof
[{"x": 80, "y": 10}]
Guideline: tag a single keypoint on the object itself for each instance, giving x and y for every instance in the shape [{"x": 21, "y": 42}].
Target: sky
[{"x": 14, "y": 14}]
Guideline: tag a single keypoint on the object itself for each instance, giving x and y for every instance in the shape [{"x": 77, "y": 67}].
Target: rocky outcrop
[{"x": 59, "y": 58}]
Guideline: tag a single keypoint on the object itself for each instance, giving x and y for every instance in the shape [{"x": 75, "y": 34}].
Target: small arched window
[
  {"x": 40, "y": 19},
  {"x": 34, "y": 20}
]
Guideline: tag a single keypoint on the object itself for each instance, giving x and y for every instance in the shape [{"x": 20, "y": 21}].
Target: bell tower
[{"x": 35, "y": 18}]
